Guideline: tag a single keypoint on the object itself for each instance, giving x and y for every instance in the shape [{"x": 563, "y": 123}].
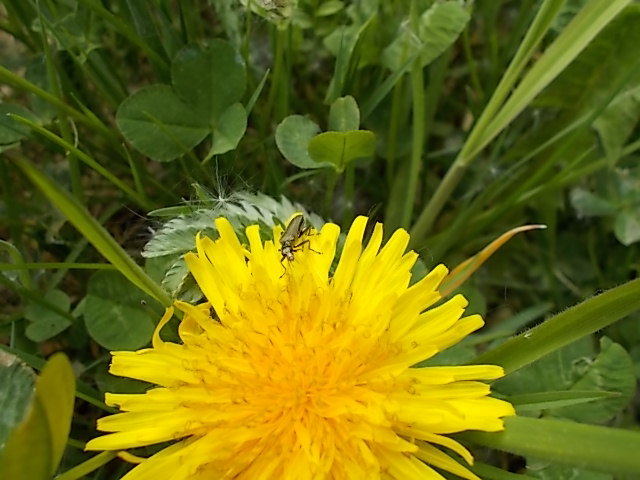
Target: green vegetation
[{"x": 126, "y": 127}]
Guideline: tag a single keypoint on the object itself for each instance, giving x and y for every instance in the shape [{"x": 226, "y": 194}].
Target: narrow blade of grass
[{"x": 93, "y": 231}]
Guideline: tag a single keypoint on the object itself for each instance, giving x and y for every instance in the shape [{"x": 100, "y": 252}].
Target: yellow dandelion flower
[{"x": 289, "y": 372}]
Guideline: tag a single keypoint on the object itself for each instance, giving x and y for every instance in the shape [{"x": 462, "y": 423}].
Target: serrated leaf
[
  {"x": 293, "y": 135},
  {"x": 114, "y": 313},
  {"x": 562, "y": 375},
  {"x": 175, "y": 277},
  {"x": 209, "y": 78},
  {"x": 45, "y": 322},
  {"x": 344, "y": 115},
  {"x": 611, "y": 371},
  {"x": 178, "y": 235},
  {"x": 160, "y": 125},
  {"x": 229, "y": 129}
]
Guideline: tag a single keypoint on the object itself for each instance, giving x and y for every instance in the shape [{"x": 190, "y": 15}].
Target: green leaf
[
  {"x": 340, "y": 148},
  {"x": 209, "y": 78},
  {"x": 627, "y": 226},
  {"x": 46, "y": 322},
  {"x": 55, "y": 389},
  {"x": 35, "y": 446},
  {"x": 439, "y": 27},
  {"x": 350, "y": 46},
  {"x": 329, "y": 7},
  {"x": 229, "y": 130},
  {"x": 615, "y": 125},
  {"x": 611, "y": 371},
  {"x": 583, "y": 319},
  {"x": 344, "y": 115},
  {"x": 115, "y": 315},
  {"x": 18, "y": 383},
  {"x": 585, "y": 446},
  {"x": 178, "y": 235},
  {"x": 292, "y": 138},
  {"x": 574, "y": 370},
  {"x": 588, "y": 204},
  {"x": 27, "y": 455},
  {"x": 12, "y": 131},
  {"x": 159, "y": 124}
]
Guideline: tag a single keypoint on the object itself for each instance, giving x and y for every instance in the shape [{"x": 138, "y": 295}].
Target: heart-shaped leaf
[
  {"x": 159, "y": 124},
  {"x": 293, "y": 136},
  {"x": 344, "y": 115},
  {"x": 46, "y": 322},
  {"x": 340, "y": 148},
  {"x": 114, "y": 313},
  {"x": 229, "y": 129},
  {"x": 209, "y": 78}
]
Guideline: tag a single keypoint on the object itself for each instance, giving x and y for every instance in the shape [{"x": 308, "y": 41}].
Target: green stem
[
  {"x": 88, "y": 466},
  {"x": 349, "y": 193},
  {"x": 332, "y": 180},
  {"x": 52, "y": 76},
  {"x": 277, "y": 80},
  {"x": 392, "y": 134},
  {"x": 11, "y": 207},
  {"x": 418, "y": 129}
]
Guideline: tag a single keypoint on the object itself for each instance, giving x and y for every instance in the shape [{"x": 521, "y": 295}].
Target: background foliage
[{"x": 126, "y": 127}]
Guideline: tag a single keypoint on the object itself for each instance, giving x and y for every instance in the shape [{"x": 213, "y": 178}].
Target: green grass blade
[
  {"x": 489, "y": 472},
  {"x": 17, "y": 81},
  {"x": 574, "y": 39},
  {"x": 85, "y": 468},
  {"x": 576, "y": 36},
  {"x": 139, "y": 199},
  {"x": 538, "y": 29},
  {"x": 587, "y": 446},
  {"x": 583, "y": 319},
  {"x": 93, "y": 231}
]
